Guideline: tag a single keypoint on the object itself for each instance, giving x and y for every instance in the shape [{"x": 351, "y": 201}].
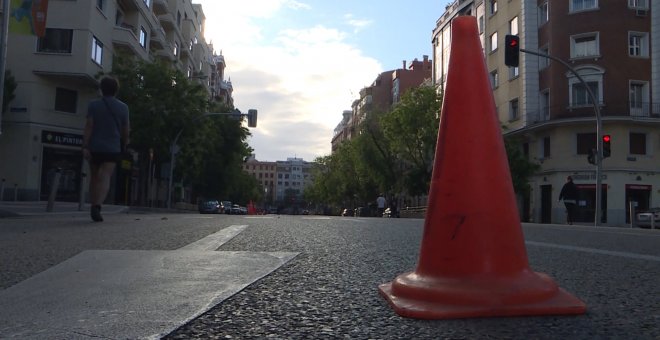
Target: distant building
[
  {"x": 385, "y": 91},
  {"x": 265, "y": 173},
  {"x": 293, "y": 175}
]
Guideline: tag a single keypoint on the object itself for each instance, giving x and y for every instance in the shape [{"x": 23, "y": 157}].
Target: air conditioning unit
[{"x": 641, "y": 12}]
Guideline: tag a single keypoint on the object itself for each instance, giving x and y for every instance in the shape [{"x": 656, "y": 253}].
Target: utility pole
[{"x": 4, "y": 34}]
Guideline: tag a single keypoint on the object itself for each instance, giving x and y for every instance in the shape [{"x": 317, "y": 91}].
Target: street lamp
[{"x": 252, "y": 122}]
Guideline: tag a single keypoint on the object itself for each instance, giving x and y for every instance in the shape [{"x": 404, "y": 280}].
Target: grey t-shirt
[{"x": 106, "y": 134}]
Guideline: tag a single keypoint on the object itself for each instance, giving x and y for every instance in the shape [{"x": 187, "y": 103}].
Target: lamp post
[{"x": 252, "y": 122}]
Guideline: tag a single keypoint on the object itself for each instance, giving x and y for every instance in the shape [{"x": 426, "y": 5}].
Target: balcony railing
[{"x": 626, "y": 109}]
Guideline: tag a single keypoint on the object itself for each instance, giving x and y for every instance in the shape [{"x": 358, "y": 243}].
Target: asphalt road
[{"x": 330, "y": 289}]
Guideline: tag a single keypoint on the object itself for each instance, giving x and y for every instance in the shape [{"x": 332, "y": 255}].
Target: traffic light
[
  {"x": 606, "y": 146},
  {"x": 592, "y": 156},
  {"x": 511, "y": 50},
  {"x": 252, "y": 118}
]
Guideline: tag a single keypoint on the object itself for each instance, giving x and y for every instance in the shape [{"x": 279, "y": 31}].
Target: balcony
[
  {"x": 160, "y": 7},
  {"x": 157, "y": 41},
  {"x": 124, "y": 38},
  {"x": 624, "y": 111}
]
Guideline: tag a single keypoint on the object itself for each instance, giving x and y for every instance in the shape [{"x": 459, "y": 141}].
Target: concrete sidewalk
[{"x": 38, "y": 208}]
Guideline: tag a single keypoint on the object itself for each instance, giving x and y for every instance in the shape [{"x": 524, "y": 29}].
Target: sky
[{"x": 301, "y": 63}]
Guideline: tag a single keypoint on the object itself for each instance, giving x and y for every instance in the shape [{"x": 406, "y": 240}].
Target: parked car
[
  {"x": 235, "y": 209},
  {"x": 225, "y": 207},
  {"x": 347, "y": 212},
  {"x": 244, "y": 210},
  {"x": 644, "y": 218},
  {"x": 209, "y": 207}
]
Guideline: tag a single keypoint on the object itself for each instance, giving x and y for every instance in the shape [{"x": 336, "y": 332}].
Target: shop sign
[{"x": 60, "y": 138}]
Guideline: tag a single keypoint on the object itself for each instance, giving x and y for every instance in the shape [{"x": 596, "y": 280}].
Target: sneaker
[{"x": 96, "y": 213}]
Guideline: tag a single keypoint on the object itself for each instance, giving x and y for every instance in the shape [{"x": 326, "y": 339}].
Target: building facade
[
  {"x": 544, "y": 106},
  {"x": 266, "y": 174},
  {"x": 56, "y": 76},
  {"x": 385, "y": 91}
]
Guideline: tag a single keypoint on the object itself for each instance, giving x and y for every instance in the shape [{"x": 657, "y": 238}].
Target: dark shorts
[{"x": 105, "y": 157}]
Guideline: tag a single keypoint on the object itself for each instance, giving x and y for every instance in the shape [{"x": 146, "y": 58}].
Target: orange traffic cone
[{"x": 473, "y": 261}]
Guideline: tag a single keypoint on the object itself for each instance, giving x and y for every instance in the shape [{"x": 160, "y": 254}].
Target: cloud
[
  {"x": 299, "y": 79},
  {"x": 357, "y": 24}
]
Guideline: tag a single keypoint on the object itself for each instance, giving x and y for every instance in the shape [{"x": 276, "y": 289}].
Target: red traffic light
[
  {"x": 606, "y": 138},
  {"x": 513, "y": 43}
]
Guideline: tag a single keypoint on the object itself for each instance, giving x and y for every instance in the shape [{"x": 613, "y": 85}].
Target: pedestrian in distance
[
  {"x": 569, "y": 194},
  {"x": 381, "y": 202},
  {"x": 105, "y": 138}
]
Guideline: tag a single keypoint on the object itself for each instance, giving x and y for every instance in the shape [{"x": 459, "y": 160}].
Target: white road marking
[
  {"x": 131, "y": 294},
  {"x": 596, "y": 251}
]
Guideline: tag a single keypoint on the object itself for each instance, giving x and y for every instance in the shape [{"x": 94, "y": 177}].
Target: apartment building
[
  {"x": 265, "y": 173},
  {"x": 293, "y": 175},
  {"x": 56, "y": 76},
  {"x": 385, "y": 91},
  {"x": 613, "y": 45}
]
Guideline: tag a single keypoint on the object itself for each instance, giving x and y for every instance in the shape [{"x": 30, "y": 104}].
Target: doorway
[
  {"x": 546, "y": 204},
  {"x": 640, "y": 195}
]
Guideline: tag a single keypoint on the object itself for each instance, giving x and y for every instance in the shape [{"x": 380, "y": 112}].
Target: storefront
[{"x": 61, "y": 151}]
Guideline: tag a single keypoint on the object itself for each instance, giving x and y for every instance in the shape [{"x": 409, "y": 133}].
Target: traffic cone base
[
  {"x": 472, "y": 259},
  {"x": 531, "y": 293}
]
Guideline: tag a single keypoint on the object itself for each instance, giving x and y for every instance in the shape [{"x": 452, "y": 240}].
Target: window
[
  {"x": 639, "y": 98},
  {"x": 147, "y": 2},
  {"x": 578, "y": 94},
  {"x": 176, "y": 49},
  {"x": 584, "y": 45},
  {"x": 514, "y": 72},
  {"x": 513, "y": 26},
  {"x": 55, "y": 40},
  {"x": 637, "y": 143},
  {"x": 583, "y": 5},
  {"x": 513, "y": 110},
  {"x": 638, "y": 44},
  {"x": 585, "y": 143},
  {"x": 543, "y": 13},
  {"x": 638, "y": 4},
  {"x": 66, "y": 100},
  {"x": 513, "y": 29},
  {"x": 100, "y": 4},
  {"x": 97, "y": 51},
  {"x": 178, "y": 19},
  {"x": 494, "y": 79},
  {"x": 546, "y": 147},
  {"x": 545, "y": 105},
  {"x": 481, "y": 24},
  {"x": 493, "y": 42},
  {"x": 143, "y": 37},
  {"x": 493, "y": 7}
]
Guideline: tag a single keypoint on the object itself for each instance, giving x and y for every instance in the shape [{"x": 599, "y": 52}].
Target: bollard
[
  {"x": 53, "y": 190},
  {"x": 81, "y": 198},
  {"x": 2, "y": 190}
]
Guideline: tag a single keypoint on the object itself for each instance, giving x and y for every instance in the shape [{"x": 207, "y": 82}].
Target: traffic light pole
[{"x": 599, "y": 131}]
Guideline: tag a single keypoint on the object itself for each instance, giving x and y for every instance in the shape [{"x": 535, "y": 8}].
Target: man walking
[
  {"x": 569, "y": 194},
  {"x": 105, "y": 136},
  {"x": 381, "y": 202}
]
